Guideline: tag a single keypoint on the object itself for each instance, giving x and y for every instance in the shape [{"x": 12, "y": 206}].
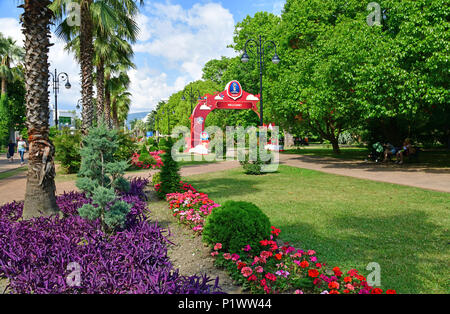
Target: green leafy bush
[
  {"x": 126, "y": 147},
  {"x": 235, "y": 225},
  {"x": 145, "y": 157},
  {"x": 67, "y": 149},
  {"x": 253, "y": 167}
]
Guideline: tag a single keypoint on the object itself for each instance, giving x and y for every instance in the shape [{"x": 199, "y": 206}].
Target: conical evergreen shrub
[{"x": 169, "y": 175}]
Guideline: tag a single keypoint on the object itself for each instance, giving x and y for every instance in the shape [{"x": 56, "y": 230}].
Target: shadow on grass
[{"x": 408, "y": 248}]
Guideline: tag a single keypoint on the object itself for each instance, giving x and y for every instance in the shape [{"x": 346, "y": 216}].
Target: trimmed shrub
[
  {"x": 170, "y": 176},
  {"x": 163, "y": 142},
  {"x": 236, "y": 224}
]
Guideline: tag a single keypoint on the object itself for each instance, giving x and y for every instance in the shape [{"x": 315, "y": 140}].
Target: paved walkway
[
  {"x": 13, "y": 188},
  {"x": 437, "y": 179},
  {"x": 5, "y": 165}
]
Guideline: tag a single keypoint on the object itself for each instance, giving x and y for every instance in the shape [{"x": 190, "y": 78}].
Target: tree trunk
[
  {"x": 40, "y": 190},
  {"x": 86, "y": 55},
  {"x": 115, "y": 118},
  {"x": 107, "y": 106},
  {"x": 100, "y": 92},
  {"x": 335, "y": 144},
  {"x": 4, "y": 86}
]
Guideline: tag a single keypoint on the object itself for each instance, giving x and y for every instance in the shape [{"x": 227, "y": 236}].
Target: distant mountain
[{"x": 136, "y": 115}]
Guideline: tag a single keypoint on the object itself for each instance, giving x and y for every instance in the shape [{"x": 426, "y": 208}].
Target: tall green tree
[{"x": 40, "y": 189}]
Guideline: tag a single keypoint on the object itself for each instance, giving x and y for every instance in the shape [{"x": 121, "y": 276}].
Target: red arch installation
[{"x": 233, "y": 97}]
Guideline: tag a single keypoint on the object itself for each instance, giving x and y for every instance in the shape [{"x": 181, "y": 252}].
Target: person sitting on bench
[{"x": 407, "y": 150}]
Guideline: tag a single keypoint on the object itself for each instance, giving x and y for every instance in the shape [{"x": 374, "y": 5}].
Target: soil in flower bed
[{"x": 188, "y": 254}]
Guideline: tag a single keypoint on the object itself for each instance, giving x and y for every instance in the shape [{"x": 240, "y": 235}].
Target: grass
[
  {"x": 191, "y": 159},
  {"x": 11, "y": 173},
  {"x": 351, "y": 222},
  {"x": 427, "y": 157}
]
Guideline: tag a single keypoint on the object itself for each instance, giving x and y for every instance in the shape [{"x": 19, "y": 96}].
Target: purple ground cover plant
[{"x": 35, "y": 253}]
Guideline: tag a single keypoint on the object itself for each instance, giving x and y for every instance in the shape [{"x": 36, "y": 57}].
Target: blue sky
[{"x": 177, "y": 38}]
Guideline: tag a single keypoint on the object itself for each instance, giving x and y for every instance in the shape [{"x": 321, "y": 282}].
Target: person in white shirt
[{"x": 21, "y": 148}]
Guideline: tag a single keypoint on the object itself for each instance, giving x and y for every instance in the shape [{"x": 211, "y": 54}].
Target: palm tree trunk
[
  {"x": 4, "y": 86},
  {"x": 87, "y": 67},
  {"x": 108, "y": 106},
  {"x": 115, "y": 117},
  {"x": 100, "y": 92},
  {"x": 40, "y": 190}
]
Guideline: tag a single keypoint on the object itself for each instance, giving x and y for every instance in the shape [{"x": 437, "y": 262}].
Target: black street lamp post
[
  {"x": 261, "y": 48},
  {"x": 63, "y": 76},
  {"x": 79, "y": 103},
  {"x": 191, "y": 94}
]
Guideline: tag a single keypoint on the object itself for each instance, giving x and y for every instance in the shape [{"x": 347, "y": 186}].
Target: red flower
[
  {"x": 278, "y": 256},
  {"x": 313, "y": 273},
  {"x": 391, "y": 291},
  {"x": 337, "y": 271},
  {"x": 275, "y": 231},
  {"x": 376, "y": 291},
  {"x": 347, "y": 279},
  {"x": 334, "y": 292},
  {"x": 333, "y": 285},
  {"x": 271, "y": 277},
  {"x": 240, "y": 265},
  {"x": 304, "y": 264},
  {"x": 263, "y": 242},
  {"x": 252, "y": 278}
]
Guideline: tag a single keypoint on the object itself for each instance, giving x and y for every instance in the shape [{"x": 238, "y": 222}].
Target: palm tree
[
  {"x": 97, "y": 17},
  {"x": 116, "y": 78},
  {"x": 40, "y": 190},
  {"x": 120, "y": 98},
  {"x": 109, "y": 54},
  {"x": 9, "y": 53}
]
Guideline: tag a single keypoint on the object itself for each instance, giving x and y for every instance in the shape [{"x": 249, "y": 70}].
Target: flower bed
[
  {"x": 191, "y": 208},
  {"x": 270, "y": 267},
  {"x": 35, "y": 253},
  {"x": 156, "y": 155}
]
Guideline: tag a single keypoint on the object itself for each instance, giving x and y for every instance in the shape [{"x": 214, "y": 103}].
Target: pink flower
[
  {"x": 259, "y": 269},
  {"x": 298, "y": 291},
  {"x": 247, "y": 248},
  {"x": 246, "y": 271},
  {"x": 218, "y": 246},
  {"x": 311, "y": 252},
  {"x": 214, "y": 254},
  {"x": 350, "y": 287},
  {"x": 235, "y": 257},
  {"x": 227, "y": 256}
]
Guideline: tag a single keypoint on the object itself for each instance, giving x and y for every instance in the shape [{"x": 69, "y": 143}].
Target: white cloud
[
  {"x": 185, "y": 40},
  {"x": 188, "y": 38},
  {"x": 10, "y": 27},
  {"x": 148, "y": 89}
]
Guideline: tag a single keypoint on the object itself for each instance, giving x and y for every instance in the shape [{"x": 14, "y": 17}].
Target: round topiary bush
[{"x": 235, "y": 225}]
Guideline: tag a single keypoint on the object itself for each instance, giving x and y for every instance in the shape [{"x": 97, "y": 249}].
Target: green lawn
[
  {"x": 351, "y": 222},
  {"x": 10, "y": 173}
]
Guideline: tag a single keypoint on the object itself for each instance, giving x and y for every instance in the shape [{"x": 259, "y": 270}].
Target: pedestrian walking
[
  {"x": 21, "y": 148},
  {"x": 11, "y": 150}
]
